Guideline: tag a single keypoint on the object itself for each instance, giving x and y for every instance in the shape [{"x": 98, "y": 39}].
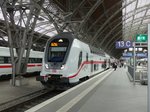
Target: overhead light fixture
[
  {"x": 136, "y": 49},
  {"x": 145, "y": 50},
  {"x": 140, "y": 49},
  {"x": 125, "y": 50},
  {"x": 130, "y": 49}
]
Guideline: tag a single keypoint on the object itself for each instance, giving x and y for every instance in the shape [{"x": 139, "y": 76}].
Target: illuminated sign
[
  {"x": 141, "y": 38},
  {"x": 129, "y": 54},
  {"x": 54, "y": 44}
]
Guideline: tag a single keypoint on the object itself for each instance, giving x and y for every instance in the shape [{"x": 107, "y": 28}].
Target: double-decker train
[
  {"x": 34, "y": 63},
  {"x": 68, "y": 60}
]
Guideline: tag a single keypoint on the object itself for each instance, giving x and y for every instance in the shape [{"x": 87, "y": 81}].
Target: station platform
[
  {"x": 8, "y": 92},
  {"x": 113, "y": 94},
  {"x": 117, "y": 94}
]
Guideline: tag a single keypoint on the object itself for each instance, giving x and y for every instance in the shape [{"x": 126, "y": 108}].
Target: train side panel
[
  {"x": 77, "y": 63},
  {"x": 34, "y": 64},
  {"x": 96, "y": 64}
]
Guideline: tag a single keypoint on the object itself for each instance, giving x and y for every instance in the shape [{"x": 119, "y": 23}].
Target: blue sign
[
  {"x": 129, "y": 54},
  {"x": 123, "y": 44},
  {"x": 143, "y": 55}
]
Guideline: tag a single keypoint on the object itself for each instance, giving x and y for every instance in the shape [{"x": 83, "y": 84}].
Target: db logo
[{"x": 54, "y": 70}]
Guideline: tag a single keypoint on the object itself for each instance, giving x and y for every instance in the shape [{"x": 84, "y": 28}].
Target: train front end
[{"x": 54, "y": 61}]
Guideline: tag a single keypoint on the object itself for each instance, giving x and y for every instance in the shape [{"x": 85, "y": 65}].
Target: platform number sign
[{"x": 123, "y": 44}]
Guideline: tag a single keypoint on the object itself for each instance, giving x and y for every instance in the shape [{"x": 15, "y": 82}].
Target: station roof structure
[{"x": 99, "y": 23}]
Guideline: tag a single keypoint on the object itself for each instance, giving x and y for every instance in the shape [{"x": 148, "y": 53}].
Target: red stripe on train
[
  {"x": 29, "y": 65},
  {"x": 86, "y": 62}
]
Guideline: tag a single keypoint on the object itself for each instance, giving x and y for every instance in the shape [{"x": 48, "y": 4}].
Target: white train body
[
  {"x": 34, "y": 65},
  {"x": 67, "y": 60}
]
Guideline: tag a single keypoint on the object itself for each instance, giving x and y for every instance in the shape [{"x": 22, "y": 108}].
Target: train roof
[
  {"x": 97, "y": 51},
  {"x": 72, "y": 36}
]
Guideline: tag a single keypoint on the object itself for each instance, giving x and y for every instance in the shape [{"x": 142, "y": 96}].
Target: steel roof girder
[
  {"x": 134, "y": 13},
  {"x": 50, "y": 18},
  {"x": 117, "y": 26},
  {"x": 16, "y": 63},
  {"x": 113, "y": 30},
  {"x": 90, "y": 13},
  {"x": 96, "y": 35},
  {"x": 113, "y": 43},
  {"x": 108, "y": 43},
  {"x": 143, "y": 18},
  {"x": 94, "y": 23}
]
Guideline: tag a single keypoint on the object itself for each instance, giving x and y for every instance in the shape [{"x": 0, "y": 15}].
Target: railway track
[{"x": 25, "y": 102}]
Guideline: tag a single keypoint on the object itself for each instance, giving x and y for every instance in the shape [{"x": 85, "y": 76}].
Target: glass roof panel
[
  {"x": 148, "y": 12},
  {"x": 141, "y": 3},
  {"x": 1, "y": 15},
  {"x": 146, "y": 21},
  {"x": 135, "y": 18},
  {"x": 43, "y": 24},
  {"x": 130, "y": 7},
  {"x": 141, "y": 14},
  {"x": 137, "y": 23}
]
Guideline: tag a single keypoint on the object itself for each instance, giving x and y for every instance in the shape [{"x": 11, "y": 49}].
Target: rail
[{"x": 14, "y": 102}]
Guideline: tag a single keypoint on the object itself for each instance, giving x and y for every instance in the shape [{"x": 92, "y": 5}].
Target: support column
[{"x": 20, "y": 31}]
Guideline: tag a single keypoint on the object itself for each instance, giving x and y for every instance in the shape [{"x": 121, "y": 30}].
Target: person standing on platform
[
  {"x": 115, "y": 66},
  {"x": 125, "y": 64}
]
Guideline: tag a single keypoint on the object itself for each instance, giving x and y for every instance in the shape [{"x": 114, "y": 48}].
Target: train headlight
[
  {"x": 46, "y": 66},
  {"x": 62, "y": 67}
]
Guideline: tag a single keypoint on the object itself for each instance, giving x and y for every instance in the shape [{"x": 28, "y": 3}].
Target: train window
[
  {"x": 29, "y": 60},
  {"x": 9, "y": 60},
  {"x": 57, "y": 56},
  {"x": 87, "y": 57},
  {"x": 57, "y": 50},
  {"x": 104, "y": 64},
  {"x": 38, "y": 60},
  {"x": 5, "y": 59},
  {"x": 1, "y": 60},
  {"x": 80, "y": 59},
  {"x": 35, "y": 60},
  {"x": 95, "y": 67},
  {"x": 32, "y": 60}
]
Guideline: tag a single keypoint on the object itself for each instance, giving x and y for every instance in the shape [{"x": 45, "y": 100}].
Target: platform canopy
[{"x": 99, "y": 23}]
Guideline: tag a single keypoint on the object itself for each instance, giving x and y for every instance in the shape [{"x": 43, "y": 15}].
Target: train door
[
  {"x": 80, "y": 59},
  {"x": 92, "y": 65},
  {"x": 109, "y": 63}
]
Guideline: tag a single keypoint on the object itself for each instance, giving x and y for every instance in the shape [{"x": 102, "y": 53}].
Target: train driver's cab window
[
  {"x": 80, "y": 59},
  {"x": 57, "y": 50}
]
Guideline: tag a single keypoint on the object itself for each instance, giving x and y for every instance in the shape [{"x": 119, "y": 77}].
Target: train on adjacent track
[
  {"x": 34, "y": 64},
  {"x": 68, "y": 61}
]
